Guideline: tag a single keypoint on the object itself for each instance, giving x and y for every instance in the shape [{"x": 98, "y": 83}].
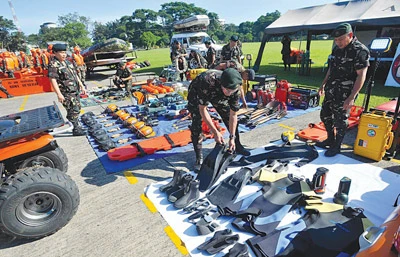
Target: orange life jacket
[{"x": 78, "y": 58}]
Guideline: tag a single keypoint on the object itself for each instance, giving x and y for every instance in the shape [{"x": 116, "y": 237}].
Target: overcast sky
[{"x": 31, "y": 14}]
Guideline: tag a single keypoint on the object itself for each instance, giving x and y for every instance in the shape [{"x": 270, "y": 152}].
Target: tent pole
[
  {"x": 264, "y": 41},
  {"x": 309, "y": 35}
]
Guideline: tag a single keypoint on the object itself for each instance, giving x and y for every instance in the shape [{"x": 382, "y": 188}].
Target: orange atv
[{"x": 37, "y": 198}]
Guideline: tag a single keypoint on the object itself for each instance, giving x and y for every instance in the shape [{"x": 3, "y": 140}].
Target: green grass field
[{"x": 271, "y": 63}]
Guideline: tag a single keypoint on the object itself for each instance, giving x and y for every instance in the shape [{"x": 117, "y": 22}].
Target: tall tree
[
  {"x": 6, "y": 26},
  {"x": 175, "y": 11},
  {"x": 148, "y": 39},
  {"x": 262, "y": 22},
  {"x": 72, "y": 18}
]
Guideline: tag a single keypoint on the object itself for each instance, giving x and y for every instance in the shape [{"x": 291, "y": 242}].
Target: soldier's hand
[
  {"x": 348, "y": 103},
  {"x": 60, "y": 98},
  {"x": 232, "y": 145},
  {"x": 218, "y": 138},
  {"x": 321, "y": 91}
]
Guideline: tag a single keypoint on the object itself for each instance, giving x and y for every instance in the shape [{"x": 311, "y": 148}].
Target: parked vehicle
[{"x": 37, "y": 197}]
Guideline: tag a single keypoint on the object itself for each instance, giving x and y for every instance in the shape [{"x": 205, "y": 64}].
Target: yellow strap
[
  {"x": 322, "y": 206},
  {"x": 268, "y": 176}
]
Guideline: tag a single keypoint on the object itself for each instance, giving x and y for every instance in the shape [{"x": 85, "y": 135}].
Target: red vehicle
[{"x": 383, "y": 241}]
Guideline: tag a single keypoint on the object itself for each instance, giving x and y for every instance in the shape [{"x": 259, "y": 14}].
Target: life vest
[{"x": 78, "y": 58}]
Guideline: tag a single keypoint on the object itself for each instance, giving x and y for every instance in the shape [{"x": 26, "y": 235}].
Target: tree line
[{"x": 144, "y": 28}]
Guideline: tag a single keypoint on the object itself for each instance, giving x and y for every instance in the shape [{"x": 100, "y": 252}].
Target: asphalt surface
[{"x": 112, "y": 219}]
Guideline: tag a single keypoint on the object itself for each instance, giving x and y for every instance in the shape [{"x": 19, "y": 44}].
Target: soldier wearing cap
[
  {"x": 221, "y": 90},
  {"x": 247, "y": 74},
  {"x": 344, "y": 79},
  {"x": 231, "y": 50},
  {"x": 67, "y": 86},
  {"x": 123, "y": 75},
  {"x": 210, "y": 55}
]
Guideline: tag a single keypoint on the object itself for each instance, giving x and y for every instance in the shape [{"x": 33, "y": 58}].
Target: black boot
[
  {"x": 175, "y": 179},
  {"x": 78, "y": 130},
  {"x": 335, "y": 149},
  {"x": 329, "y": 142},
  {"x": 191, "y": 194},
  {"x": 240, "y": 148},
  {"x": 198, "y": 150},
  {"x": 174, "y": 196}
]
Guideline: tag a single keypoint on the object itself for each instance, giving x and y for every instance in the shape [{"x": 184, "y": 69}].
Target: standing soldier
[
  {"x": 343, "y": 81},
  {"x": 221, "y": 89},
  {"x": 210, "y": 55},
  {"x": 79, "y": 64},
  {"x": 231, "y": 51},
  {"x": 67, "y": 86},
  {"x": 178, "y": 57}
]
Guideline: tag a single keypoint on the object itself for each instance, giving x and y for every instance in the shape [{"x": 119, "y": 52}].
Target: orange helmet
[{"x": 77, "y": 49}]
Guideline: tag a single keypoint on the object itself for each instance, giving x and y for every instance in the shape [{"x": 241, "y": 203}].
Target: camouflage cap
[
  {"x": 231, "y": 78},
  {"x": 342, "y": 29},
  {"x": 59, "y": 47},
  {"x": 234, "y": 38},
  {"x": 207, "y": 42}
]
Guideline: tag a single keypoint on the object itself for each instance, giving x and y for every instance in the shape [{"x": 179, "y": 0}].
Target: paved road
[{"x": 112, "y": 220}]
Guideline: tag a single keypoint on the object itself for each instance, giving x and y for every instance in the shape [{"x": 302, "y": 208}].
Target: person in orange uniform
[
  {"x": 36, "y": 61},
  {"x": 79, "y": 64}
]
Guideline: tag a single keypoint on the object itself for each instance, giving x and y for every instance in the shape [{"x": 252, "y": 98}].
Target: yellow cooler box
[
  {"x": 374, "y": 136},
  {"x": 193, "y": 73}
]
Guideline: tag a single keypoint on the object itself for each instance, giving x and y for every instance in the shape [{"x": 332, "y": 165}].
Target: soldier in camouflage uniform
[
  {"x": 344, "y": 79},
  {"x": 5, "y": 91},
  {"x": 123, "y": 75},
  {"x": 211, "y": 55},
  {"x": 231, "y": 51},
  {"x": 220, "y": 89},
  {"x": 178, "y": 57},
  {"x": 67, "y": 86}
]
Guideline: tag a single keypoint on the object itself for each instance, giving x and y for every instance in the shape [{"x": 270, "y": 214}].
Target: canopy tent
[{"x": 361, "y": 14}]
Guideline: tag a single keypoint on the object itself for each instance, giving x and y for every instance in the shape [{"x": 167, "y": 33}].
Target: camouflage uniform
[
  {"x": 343, "y": 74},
  {"x": 66, "y": 77},
  {"x": 181, "y": 65},
  {"x": 4, "y": 90},
  {"x": 205, "y": 89},
  {"x": 124, "y": 73},
  {"x": 228, "y": 53},
  {"x": 210, "y": 52}
]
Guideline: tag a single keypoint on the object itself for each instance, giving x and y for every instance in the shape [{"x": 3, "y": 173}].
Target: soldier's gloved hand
[{"x": 218, "y": 138}]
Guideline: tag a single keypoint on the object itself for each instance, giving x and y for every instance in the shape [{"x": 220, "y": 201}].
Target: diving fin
[
  {"x": 228, "y": 190},
  {"x": 210, "y": 167}
]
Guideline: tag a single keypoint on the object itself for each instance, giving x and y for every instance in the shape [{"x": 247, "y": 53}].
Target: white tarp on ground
[
  {"x": 372, "y": 188},
  {"x": 327, "y": 17}
]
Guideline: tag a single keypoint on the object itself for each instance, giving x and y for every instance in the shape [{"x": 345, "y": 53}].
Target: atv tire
[
  {"x": 37, "y": 202},
  {"x": 56, "y": 159}
]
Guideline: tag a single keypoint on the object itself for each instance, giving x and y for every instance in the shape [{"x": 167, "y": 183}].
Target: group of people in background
[{"x": 180, "y": 58}]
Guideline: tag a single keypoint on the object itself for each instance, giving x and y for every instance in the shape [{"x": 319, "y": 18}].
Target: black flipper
[
  {"x": 238, "y": 250},
  {"x": 227, "y": 191},
  {"x": 219, "y": 241},
  {"x": 210, "y": 166}
]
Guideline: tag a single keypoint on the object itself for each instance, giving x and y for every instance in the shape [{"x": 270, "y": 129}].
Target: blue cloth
[{"x": 164, "y": 127}]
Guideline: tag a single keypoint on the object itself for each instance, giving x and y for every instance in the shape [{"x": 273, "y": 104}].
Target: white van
[{"x": 195, "y": 41}]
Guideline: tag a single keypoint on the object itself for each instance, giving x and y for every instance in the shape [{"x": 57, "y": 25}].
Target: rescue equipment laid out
[{"x": 317, "y": 132}]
